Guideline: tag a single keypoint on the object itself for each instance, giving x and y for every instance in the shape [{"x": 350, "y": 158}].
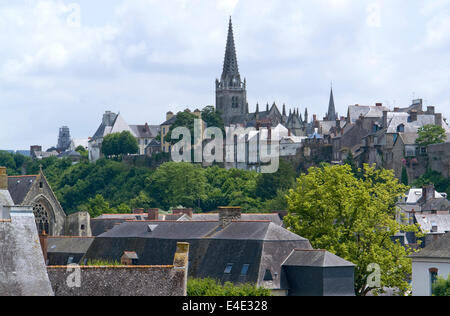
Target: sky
[{"x": 67, "y": 62}]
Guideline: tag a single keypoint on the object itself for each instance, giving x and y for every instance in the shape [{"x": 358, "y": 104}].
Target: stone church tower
[{"x": 231, "y": 93}]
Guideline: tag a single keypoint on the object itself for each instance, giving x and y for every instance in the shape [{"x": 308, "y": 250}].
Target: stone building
[
  {"x": 126, "y": 280},
  {"x": 35, "y": 191},
  {"x": 22, "y": 268},
  {"x": 63, "y": 139},
  {"x": 226, "y": 248},
  {"x": 231, "y": 99}
]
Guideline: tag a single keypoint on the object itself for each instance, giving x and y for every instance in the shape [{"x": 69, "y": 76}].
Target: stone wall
[
  {"x": 439, "y": 158},
  {"x": 78, "y": 224},
  {"x": 123, "y": 280},
  {"x": 118, "y": 281}
]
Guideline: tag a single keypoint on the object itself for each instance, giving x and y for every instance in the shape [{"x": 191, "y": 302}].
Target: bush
[
  {"x": 211, "y": 287},
  {"x": 442, "y": 287}
]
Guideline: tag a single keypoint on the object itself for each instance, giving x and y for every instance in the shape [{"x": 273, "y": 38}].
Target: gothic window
[
  {"x": 42, "y": 218},
  {"x": 234, "y": 102}
]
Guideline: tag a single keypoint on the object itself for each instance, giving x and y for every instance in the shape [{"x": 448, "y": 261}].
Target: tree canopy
[
  {"x": 118, "y": 144},
  {"x": 353, "y": 218},
  {"x": 431, "y": 134},
  {"x": 211, "y": 287}
]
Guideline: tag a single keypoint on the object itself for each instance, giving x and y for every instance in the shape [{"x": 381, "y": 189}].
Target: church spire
[
  {"x": 230, "y": 64},
  {"x": 331, "y": 108}
]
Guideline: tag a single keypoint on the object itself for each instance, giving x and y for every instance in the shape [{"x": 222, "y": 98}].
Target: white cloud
[{"x": 143, "y": 57}]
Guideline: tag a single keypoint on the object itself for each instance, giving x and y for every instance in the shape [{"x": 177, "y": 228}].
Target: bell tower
[{"x": 231, "y": 92}]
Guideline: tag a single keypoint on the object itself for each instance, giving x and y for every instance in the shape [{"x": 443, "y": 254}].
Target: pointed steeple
[
  {"x": 257, "y": 108},
  {"x": 306, "y": 115},
  {"x": 331, "y": 108},
  {"x": 284, "y": 109},
  {"x": 267, "y": 107},
  {"x": 230, "y": 64}
]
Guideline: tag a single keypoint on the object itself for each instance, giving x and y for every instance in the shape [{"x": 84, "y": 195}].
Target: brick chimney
[
  {"x": 138, "y": 211},
  {"x": 431, "y": 110},
  {"x": 169, "y": 115},
  {"x": 438, "y": 119},
  {"x": 153, "y": 214},
  {"x": 229, "y": 214},
  {"x": 3, "y": 179},
  {"x": 379, "y": 104},
  {"x": 414, "y": 116},
  {"x": 428, "y": 192},
  {"x": 385, "y": 118}
]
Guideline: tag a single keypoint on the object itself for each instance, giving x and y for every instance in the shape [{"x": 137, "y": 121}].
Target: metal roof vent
[{"x": 152, "y": 228}]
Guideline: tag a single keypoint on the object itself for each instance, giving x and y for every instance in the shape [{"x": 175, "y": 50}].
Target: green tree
[
  {"x": 353, "y": 218},
  {"x": 442, "y": 287},
  {"x": 174, "y": 184},
  {"x": 435, "y": 178},
  {"x": 96, "y": 206},
  {"x": 268, "y": 184},
  {"x": 405, "y": 179},
  {"x": 211, "y": 287},
  {"x": 431, "y": 134},
  {"x": 118, "y": 144},
  {"x": 212, "y": 118},
  {"x": 184, "y": 119}
]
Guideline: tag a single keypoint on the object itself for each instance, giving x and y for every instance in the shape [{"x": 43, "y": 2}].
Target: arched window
[
  {"x": 235, "y": 102},
  {"x": 42, "y": 218}
]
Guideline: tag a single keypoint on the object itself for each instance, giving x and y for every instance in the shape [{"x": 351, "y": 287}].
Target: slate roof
[
  {"x": 19, "y": 187},
  {"x": 145, "y": 131},
  {"x": 73, "y": 245},
  {"x": 170, "y": 121},
  {"x": 439, "y": 248},
  {"x": 315, "y": 258},
  {"x": 22, "y": 269},
  {"x": 427, "y": 221},
  {"x": 260, "y": 244},
  {"x": 273, "y": 217}
]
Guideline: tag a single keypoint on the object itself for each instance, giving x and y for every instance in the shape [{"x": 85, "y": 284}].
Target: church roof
[
  {"x": 331, "y": 108},
  {"x": 230, "y": 64},
  {"x": 19, "y": 186}
]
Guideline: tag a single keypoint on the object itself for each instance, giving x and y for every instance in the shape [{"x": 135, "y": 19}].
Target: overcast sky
[{"x": 146, "y": 57}]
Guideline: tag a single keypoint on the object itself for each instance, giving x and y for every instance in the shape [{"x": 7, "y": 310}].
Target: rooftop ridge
[
  {"x": 114, "y": 267},
  {"x": 24, "y": 176}
]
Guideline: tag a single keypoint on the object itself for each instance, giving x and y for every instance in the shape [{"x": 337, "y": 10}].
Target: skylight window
[
  {"x": 228, "y": 268},
  {"x": 244, "y": 270}
]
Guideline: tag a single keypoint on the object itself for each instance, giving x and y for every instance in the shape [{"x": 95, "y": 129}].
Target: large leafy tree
[
  {"x": 118, "y": 144},
  {"x": 269, "y": 184},
  {"x": 431, "y": 134},
  {"x": 174, "y": 184},
  {"x": 353, "y": 218}
]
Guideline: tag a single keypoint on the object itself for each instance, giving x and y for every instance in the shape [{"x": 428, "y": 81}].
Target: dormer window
[{"x": 401, "y": 128}]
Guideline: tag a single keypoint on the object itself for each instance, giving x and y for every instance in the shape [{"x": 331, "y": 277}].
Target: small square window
[
  {"x": 228, "y": 268},
  {"x": 244, "y": 270},
  {"x": 70, "y": 260},
  {"x": 83, "y": 227}
]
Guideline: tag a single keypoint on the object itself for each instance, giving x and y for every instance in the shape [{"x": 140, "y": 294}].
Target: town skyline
[{"x": 152, "y": 70}]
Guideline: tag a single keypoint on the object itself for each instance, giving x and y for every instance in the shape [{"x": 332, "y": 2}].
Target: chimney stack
[
  {"x": 428, "y": 192},
  {"x": 431, "y": 110},
  {"x": 385, "y": 118},
  {"x": 3, "y": 179},
  {"x": 229, "y": 214},
  {"x": 138, "y": 211},
  {"x": 169, "y": 115},
  {"x": 153, "y": 214},
  {"x": 438, "y": 119},
  {"x": 414, "y": 116}
]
